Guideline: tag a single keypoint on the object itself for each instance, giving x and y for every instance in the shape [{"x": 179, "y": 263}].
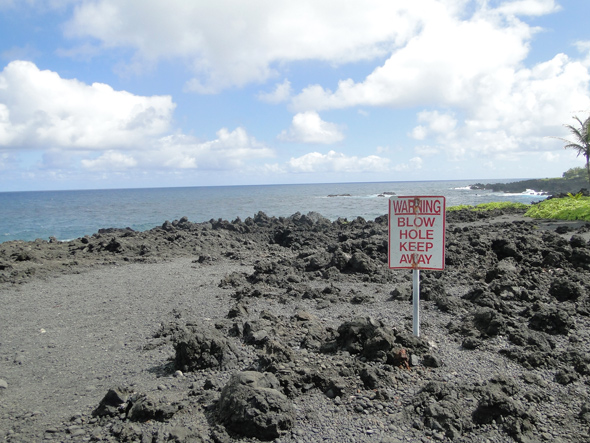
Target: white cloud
[
  {"x": 474, "y": 67},
  {"x": 316, "y": 162},
  {"x": 110, "y": 161},
  {"x": 232, "y": 42},
  {"x": 584, "y": 48},
  {"x": 308, "y": 127},
  {"x": 281, "y": 93},
  {"x": 39, "y": 109},
  {"x": 438, "y": 123},
  {"x": 230, "y": 150},
  {"x": 549, "y": 157},
  {"x": 441, "y": 64},
  {"x": 101, "y": 129},
  {"x": 461, "y": 63},
  {"x": 467, "y": 56},
  {"x": 413, "y": 164},
  {"x": 416, "y": 163},
  {"x": 442, "y": 125},
  {"x": 528, "y": 7},
  {"x": 419, "y": 132}
]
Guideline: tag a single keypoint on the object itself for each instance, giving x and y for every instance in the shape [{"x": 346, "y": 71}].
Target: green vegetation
[
  {"x": 573, "y": 207},
  {"x": 575, "y": 173},
  {"x": 489, "y": 206}
]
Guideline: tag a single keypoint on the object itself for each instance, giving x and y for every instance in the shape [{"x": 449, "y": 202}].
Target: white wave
[{"x": 528, "y": 192}]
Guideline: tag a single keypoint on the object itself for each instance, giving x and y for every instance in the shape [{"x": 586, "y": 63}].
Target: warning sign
[{"x": 417, "y": 232}]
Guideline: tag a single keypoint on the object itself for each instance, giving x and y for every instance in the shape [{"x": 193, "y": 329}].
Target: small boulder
[
  {"x": 366, "y": 336},
  {"x": 552, "y": 319},
  {"x": 564, "y": 289},
  {"x": 114, "y": 402},
  {"x": 144, "y": 408},
  {"x": 203, "y": 348},
  {"x": 251, "y": 405}
]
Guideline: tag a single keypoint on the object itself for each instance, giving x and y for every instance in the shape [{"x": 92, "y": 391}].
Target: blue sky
[{"x": 145, "y": 93}]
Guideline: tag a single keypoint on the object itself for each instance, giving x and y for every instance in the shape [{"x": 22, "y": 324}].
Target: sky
[{"x": 98, "y": 94}]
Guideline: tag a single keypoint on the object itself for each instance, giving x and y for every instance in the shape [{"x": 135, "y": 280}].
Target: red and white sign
[{"x": 417, "y": 232}]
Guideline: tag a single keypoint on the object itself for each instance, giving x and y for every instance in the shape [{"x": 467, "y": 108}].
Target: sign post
[{"x": 416, "y": 239}]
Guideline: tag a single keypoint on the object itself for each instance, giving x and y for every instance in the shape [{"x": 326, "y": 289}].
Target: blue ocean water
[{"x": 71, "y": 214}]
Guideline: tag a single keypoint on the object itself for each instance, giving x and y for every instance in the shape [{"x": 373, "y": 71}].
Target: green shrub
[{"x": 573, "y": 207}]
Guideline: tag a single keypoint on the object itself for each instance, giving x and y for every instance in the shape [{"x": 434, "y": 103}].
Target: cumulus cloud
[
  {"x": 475, "y": 66},
  {"x": 39, "y": 109},
  {"x": 281, "y": 93},
  {"x": 550, "y": 157},
  {"x": 308, "y": 127},
  {"x": 439, "y": 54},
  {"x": 337, "y": 162},
  {"x": 333, "y": 161},
  {"x": 110, "y": 161},
  {"x": 230, "y": 150},
  {"x": 528, "y": 7},
  {"x": 105, "y": 130},
  {"x": 440, "y": 124},
  {"x": 441, "y": 64},
  {"x": 462, "y": 64},
  {"x": 584, "y": 47},
  {"x": 231, "y": 43},
  {"x": 413, "y": 164}
]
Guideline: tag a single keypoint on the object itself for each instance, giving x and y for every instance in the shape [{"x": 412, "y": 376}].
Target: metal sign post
[
  {"x": 416, "y": 301},
  {"x": 416, "y": 239}
]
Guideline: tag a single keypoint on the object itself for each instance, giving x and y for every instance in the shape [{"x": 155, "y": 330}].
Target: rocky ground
[{"x": 294, "y": 330}]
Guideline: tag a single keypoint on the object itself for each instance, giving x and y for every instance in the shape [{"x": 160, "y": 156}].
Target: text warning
[{"x": 417, "y": 232}]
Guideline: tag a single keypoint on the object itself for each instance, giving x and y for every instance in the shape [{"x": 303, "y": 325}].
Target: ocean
[{"x": 66, "y": 215}]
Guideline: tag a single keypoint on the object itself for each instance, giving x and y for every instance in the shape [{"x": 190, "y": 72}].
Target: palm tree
[{"x": 582, "y": 143}]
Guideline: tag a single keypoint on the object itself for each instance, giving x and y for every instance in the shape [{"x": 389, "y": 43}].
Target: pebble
[
  {"x": 3, "y": 384},
  {"x": 78, "y": 432}
]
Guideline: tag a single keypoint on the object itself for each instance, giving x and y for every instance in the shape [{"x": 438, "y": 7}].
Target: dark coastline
[{"x": 547, "y": 186}]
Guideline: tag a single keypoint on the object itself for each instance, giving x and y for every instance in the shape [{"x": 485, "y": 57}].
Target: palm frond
[
  {"x": 580, "y": 149},
  {"x": 575, "y": 131}
]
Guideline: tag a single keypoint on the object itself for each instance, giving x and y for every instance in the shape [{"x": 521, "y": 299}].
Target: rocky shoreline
[
  {"x": 546, "y": 186},
  {"x": 294, "y": 330}
]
